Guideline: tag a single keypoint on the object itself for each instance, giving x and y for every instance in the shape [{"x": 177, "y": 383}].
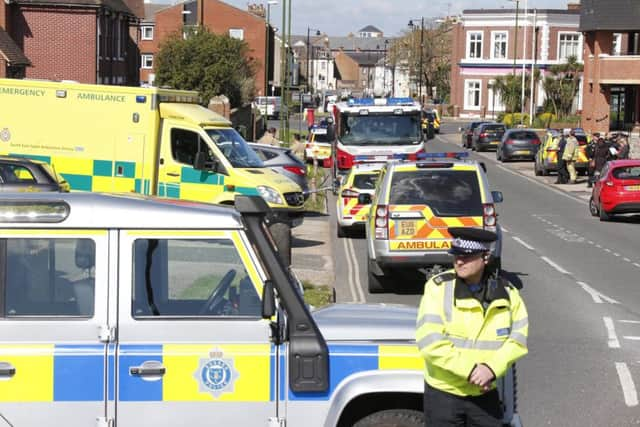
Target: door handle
[
  {"x": 174, "y": 174},
  {"x": 151, "y": 368},
  {"x": 7, "y": 370}
]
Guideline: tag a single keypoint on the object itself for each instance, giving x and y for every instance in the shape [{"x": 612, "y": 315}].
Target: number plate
[
  {"x": 406, "y": 228},
  {"x": 522, "y": 152},
  {"x": 632, "y": 187}
]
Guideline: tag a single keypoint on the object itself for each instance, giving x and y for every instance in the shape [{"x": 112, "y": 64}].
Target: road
[{"x": 580, "y": 281}]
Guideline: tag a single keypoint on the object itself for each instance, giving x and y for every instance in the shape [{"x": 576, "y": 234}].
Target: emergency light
[
  {"x": 354, "y": 102},
  {"x": 46, "y": 211},
  {"x": 448, "y": 155}
]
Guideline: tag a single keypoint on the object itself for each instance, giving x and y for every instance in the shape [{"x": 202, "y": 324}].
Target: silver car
[{"x": 283, "y": 161}]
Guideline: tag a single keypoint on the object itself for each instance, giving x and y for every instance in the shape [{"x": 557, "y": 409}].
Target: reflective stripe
[
  {"x": 430, "y": 339},
  {"x": 519, "y": 338},
  {"x": 520, "y": 323},
  {"x": 448, "y": 300},
  {"x": 430, "y": 318},
  {"x": 476, "y": 345}
]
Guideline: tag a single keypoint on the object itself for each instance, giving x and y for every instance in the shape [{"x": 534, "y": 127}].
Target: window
[
  {"x": 474, "y": 45},
  {"x": 185, "y": 145},
  {"x": 147, "y": 33},
  {"x": 499, "y": 45},
  {"x": 616, "y": 49},
  {"x": 236, "y": 33},
  {"x": 191, "y": 278},
  {"x": 15, "y": 174},
  {"x": 49, "y": 277},
  {"x": 365, "y": 181},
  {"x": 472, "y": 94},
  {"x": 147, "y": 61},
  {"x": 569, "y": 45}
]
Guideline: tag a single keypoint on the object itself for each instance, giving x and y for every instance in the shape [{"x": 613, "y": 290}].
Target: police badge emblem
[
  {"x": 216, "y": 375},
  {"x": 5, "y": 135}
]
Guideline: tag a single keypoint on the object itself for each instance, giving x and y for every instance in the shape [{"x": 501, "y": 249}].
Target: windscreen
[
  {"x": 320, "y": 135},
  {"x": 365, "y": 181},
  {"x": 234, "y": 148},
  {"x": 447, "y": 192},
  {"x": 523, "y": 134},
  {"x": 380, "y": 129}
]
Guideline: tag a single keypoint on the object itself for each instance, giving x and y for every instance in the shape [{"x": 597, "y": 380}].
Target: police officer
[{"x": 470, "y": 329}]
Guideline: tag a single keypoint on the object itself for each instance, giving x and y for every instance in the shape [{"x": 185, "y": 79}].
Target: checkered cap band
[{"x": 468, "y": 245}]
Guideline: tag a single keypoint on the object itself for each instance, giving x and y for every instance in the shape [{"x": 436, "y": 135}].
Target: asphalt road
[{"x": 581, "y": 280}]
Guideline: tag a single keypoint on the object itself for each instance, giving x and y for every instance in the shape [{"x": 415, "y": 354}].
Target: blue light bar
[
  {"x": 448, "y": 155},
  {"x": 399, "y": 101},
  {"x": 361, "y": 101}
]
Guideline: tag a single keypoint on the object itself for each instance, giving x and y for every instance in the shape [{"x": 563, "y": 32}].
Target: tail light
[
  {"x": 345, "y": 160},
  {"x": 349, "y": 193},
  {"x": 509, "y": 142},
  {"x": 382, "y": 220},
  {"x": 296, "y": 170},
  {"x": 535, "y": 141},
  {"x": 483, "y": 135},
  {"x": 552, "y": 150},
  {"x": 489, "y": 216}
]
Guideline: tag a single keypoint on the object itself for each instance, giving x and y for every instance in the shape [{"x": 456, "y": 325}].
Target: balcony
[{"x": 619, "y": 69}]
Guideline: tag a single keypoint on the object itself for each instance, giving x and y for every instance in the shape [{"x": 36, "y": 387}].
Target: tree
[
  {"x": 561, "y": 87},
  {"x": 509, "y": 88},
  {"x": 208, "y": 63}
]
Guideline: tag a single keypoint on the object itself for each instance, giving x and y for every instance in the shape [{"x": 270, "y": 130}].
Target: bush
[
  {"x": 544, "y": 120},
  {"x": 514, "y": 119}
]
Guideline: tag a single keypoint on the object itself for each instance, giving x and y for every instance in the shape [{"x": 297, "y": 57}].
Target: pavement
[{"x": 312, "y": 253}]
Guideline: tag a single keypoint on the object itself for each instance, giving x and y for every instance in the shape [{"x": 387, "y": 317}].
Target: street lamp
[
  {"x": 384, "y": 68},
  {"x": 515, "y": 38},
  {"x": 267, "y": 47},
  {"x": 309, "y": 88},
  {"x": 412, "y": 25}
]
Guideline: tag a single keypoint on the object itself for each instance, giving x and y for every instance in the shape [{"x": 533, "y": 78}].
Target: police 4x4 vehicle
[
  {"x": 414, "y": 204},
  {"x": 130, "y": 311}
]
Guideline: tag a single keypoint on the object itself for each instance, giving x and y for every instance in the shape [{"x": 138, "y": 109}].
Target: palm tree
[{"x": 561, "y": 87}]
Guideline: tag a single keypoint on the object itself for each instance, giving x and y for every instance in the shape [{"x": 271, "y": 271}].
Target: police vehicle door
[
  {"x": 53, "y": 324},
  {"x": 192, "y": 347}
]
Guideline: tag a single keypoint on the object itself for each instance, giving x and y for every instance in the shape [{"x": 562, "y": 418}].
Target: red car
[{"x": 617, "y": 190}]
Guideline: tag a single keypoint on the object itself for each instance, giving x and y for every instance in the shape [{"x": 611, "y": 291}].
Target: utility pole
[
  {"x": 284, "y": 109},
  {"x": 524, "y": 58},
  {"x": 534, "y": 53},
  {"x": 515, "y": 42},
  {"x": 421, "y": 56}
]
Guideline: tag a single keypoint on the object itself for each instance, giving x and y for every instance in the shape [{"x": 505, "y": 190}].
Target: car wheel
[
  {"x": 498, "y": 156},
  {"x": 392, "y": 417},
  {"x": 604, "y": 216},
  {"x": 376, "y": 284},
  {"x": 536, "y": 169},
  {"x": 592, "y": 207},
  {"x": 544, "y": 172},
  {"x": 342, "y": 232}
]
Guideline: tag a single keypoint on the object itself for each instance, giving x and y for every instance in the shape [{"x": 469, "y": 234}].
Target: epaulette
[{"x": 443, "y": 277}]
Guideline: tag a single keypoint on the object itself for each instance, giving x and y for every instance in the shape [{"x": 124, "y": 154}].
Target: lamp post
[
  {"x": 267, "y": 47},
  {"x": 309, "y": 48},
  {"x": 384, "y": 68},
  {"x": 412, "y": 25},
  {"x": 515, "y": 38}
]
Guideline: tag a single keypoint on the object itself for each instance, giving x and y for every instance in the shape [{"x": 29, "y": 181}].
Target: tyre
[
  {"x": 604, "y": 216},
  {"x": 282, "y": 237},
  {"x": 392, "y": 417},
  {"x": 342, "y": 232},
  {"x": 498, "y": 156},
  {"x": 544, "y": 172},
  {"x": 536, "y": 169},
  {"x": 593, "y": 208},
  {"x": 376, "y": 284}
]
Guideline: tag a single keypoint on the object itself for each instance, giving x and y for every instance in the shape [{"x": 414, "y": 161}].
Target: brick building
[
  {"x": 221, "y": 18},
  {"x": 483, "y": 48},
  {"x": 84, "y": 40},
  {"x": 612, "y": 59}
]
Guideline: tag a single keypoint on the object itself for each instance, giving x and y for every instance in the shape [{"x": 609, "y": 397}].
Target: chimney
[{"x": 573, "y": 5}]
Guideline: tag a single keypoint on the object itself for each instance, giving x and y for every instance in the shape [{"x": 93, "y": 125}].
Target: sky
[{"x": 340, "y": 17}]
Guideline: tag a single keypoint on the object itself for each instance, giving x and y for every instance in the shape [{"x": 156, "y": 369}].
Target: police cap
[{"x": 469, "y": 241}]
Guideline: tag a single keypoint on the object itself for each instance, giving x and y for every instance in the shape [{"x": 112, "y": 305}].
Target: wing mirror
[
  {"x": 200, "y": 163},
  {"x": 268, "y": 300},
  {"x": 497, "y": 196}
]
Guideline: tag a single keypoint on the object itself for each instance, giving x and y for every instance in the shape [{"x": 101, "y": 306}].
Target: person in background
[
  {"x": 297, "y": 146},
  {"x": 470, "y": 329},
  {"x": 269, "y": 138},
  {"x": 590, "y": 151},
  {"x": 601, "y": 155},
  {"x": 570, "y": 155},
  {"x": 563, "y": 174},
  {"x": 623, "y": 148}
]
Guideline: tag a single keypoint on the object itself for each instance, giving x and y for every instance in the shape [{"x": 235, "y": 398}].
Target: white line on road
[
  {"x": 356, "y": 272},
  {"x": 636, "y": 264},
  {"x": 354, "y": 293},
  {"x": 590, "y": 242},
  {"x": 611, "y": 333},
  {"x": 628, "y": 387},
  {"x": 504, "y": 228},
  {"x": 635, "y": 322},
  {"x": 616, "y": 254},
  {"x": 596, "y": 295},
  {"x": 627, "y": 259},
  {"x": 554, "y": 265},
  {"x": 631, "y": 338},
  {"x": 599, "y": 246},
  {"x": 523, "y": 243}
]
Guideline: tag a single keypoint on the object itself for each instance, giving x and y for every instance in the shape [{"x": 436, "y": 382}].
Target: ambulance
[
  {"x": 372, "y": 130},
  {"x": 140, "y": 140},
  {"x": 133, "y": 311}
]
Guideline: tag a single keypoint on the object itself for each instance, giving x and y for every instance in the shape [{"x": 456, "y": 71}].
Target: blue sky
[{"x": 339, "y": 17}]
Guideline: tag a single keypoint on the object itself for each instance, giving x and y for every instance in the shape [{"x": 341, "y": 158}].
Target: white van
[{"x": 268, "y": 105}]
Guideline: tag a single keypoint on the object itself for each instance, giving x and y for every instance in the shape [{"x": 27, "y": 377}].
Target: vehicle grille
[{"x": 294, "y": 199}]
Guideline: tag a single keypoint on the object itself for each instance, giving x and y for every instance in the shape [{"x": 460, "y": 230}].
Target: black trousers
[
  {"x": 445, "y": 409},
  {"x": 563, "y": 172}
]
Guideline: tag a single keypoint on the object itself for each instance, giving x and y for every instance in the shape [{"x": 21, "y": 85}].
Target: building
[
  {"x": 370, "y": 32},
  {"x": 486, "y": 43},
  {"x": 612, "y": 59},
  {"x": 160, "y": 21},
  {"x": 89, "y": 41}
]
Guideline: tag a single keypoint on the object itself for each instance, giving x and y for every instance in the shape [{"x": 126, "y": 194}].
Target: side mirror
[
  {"x": 268, "y": 300},
  {"x": 364, "y": 199},
  {"x": 497, "y": 196},
  {"x": 200, "y": 163}
]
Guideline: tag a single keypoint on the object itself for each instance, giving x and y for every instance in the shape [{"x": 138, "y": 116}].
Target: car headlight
[{"x": 270, "y": 195}]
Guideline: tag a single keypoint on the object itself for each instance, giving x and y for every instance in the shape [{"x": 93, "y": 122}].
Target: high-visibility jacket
[{"x": 454, "y": 332}]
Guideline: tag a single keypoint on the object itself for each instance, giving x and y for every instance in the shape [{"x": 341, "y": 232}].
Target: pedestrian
[
  {"x": 563, "y": 173},
  {"x": 570, "y": 155},
  {"x": 269, "y": 137},
  {"x": 623, "y": 148},
  {"x": 297, "y": 146},
  {"x": 601, "y": 155},
  {"x": 590, "y": 151},
  {"x": 470, "y": 329}
]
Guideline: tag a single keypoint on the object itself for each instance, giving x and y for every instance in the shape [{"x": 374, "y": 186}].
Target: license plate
[
  {"x": 494, "y": 142},
  {"x": 632, "y": 187},
  {"x": 522, "y": 152},
  {"x": 406, "y": 228}
]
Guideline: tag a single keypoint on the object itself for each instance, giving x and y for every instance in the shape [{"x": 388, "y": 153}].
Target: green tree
[
  {"x": 561, "y": 87},
  {"x": 509, "y": 88},
  {"x": 208, "y": 63}
]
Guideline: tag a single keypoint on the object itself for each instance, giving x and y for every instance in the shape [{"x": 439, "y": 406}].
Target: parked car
[
  {"x": 486, "y": 136},
  {"x": 467, "y": 132},
  {"x": 283, "y": 161},
  {"x": 19, "y": 174},
  {"x": 518, "y": 144},
  {"x": 269, "y": 106},
  {"x": 318, "y": 145},
  {"x": 617, "y": 190},
  {"x": 546, "y": 159}
]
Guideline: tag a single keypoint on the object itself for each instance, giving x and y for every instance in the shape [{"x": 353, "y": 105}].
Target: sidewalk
[
  {"x": 312, "y": 258},
  {"x": 578, "y": 189}
]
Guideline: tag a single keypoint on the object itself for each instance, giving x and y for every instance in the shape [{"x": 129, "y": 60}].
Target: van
[{"x": 269, "y": 106}]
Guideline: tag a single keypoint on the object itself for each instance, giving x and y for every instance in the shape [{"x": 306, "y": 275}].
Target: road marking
[
  {"x": 628, "y": 387},
  {"x": 631, "y": 338},
  {"x": 607, "y": 250},
  {"x": 504, "y": 228},
  {"x": 354, "y": 293},
  {"x": 635, "y": 322},
  {"x": 616, "y": 254},
  {"x": 354, "y": 272},
  {"x": 519, "y": 240},
  {"x": 636, "y": 264},
  {"x": 590, "y": 242},
  {"x": 596, "y": 295},
  {"x": 554, "y": 265},
  {"x": 599, "y": 246},
  {"x": 626, "y": 259},
  {"x": 611, "y": 333}
]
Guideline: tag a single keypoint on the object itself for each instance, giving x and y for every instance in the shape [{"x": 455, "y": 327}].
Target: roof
[
  {"x": 358, "y": 43},
  {"x": 10, "y": 52},
  {"x": 96, "y": 210},
  {"x": 513, "y": 11},
  {"x": 365, "y": 58},
  {"x": 150, "y": 10},
  {"x": 115, "y": 5},
  {"x": 614, "y": 15},
  {"x": 370, "y": 29}
]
